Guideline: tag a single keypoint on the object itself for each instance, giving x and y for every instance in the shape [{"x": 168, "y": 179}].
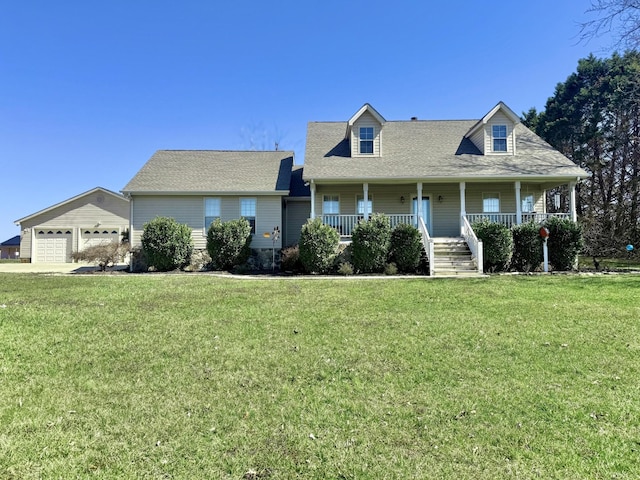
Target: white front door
[{"x": 426, "y": 211}]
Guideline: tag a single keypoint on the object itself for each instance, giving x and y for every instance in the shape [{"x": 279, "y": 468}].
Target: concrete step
[{"x": 452, "y": 257}]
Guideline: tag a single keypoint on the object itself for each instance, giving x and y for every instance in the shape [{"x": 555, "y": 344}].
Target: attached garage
[
  {"x": 91, "y": 218},
  {"x": 53, "y": 246},
  {"x": 91, "y": 237}
]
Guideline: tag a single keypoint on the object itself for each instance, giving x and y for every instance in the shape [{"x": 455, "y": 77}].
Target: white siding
[
  {"x": 84, "y": 212},
  {"x": 498, "y": 119},
  {"x": 365, "y": 120},
  {"x": 295, "y": 216},
  {"x": 190, "y": 211},
  {"x": 478, "y": 139}
]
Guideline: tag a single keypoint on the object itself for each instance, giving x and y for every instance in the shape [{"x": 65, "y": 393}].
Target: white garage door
[
  {"x": 92, "y": 237},
  {"x": 53, "y": 246}
]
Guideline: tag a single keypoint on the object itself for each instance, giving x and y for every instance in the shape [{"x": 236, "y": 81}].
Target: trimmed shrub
[
  {"x": 229, "y": 243},
  {"x": 290, "y": 259},
  {"x": 167, "y": 244},
  {"x": 406, "y": 246},
  {"x": 527, "y": 247},
  {"x": 497, "y": 244},
  {"x": 564, "y": 243},
  {"x": 370, "y": 242},
  {"x": 318, "y": 246}
]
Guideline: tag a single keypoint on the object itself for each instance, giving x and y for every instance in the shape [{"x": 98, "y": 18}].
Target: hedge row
[
  {"x": 520, "y": 248},
  {"x": 375, "y": 248}
]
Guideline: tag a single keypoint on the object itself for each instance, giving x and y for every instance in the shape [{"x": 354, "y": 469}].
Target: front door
[{"x": 426, "y": 211}]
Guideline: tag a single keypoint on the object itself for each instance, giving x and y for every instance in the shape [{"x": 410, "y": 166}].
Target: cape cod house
[{"x": 438, "y": 175}]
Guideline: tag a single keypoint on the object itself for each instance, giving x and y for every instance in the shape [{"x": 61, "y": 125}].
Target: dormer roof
[
  {"x": 365, "y": 108},
  {"x": 501, "y": 106}
]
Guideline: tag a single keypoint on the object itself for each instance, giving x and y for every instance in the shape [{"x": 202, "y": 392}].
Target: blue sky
[{"x": 89, "y": 90}]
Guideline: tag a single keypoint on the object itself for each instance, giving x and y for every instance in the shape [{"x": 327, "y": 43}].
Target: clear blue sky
[{"x": 89, "y": 90}]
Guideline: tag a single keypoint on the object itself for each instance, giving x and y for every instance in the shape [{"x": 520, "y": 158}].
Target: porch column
[
  {"x": 463, "y": 205},
  {"x": 419, "y": 203},
  {"x": 365, "y": 188},
  {"x": 313, "y": 199},
  {"x": 572, "y": 201},
  {"x": 518, "y": 204}
]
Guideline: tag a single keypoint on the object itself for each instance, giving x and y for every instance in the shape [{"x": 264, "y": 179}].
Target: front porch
[
  {"x": 345, "y": 224},
  {"x": 439, "y": 209}
]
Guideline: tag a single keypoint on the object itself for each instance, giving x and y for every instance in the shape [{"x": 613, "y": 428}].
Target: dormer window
[
  {"x": 499, "y": 138},
  {"x": 366, "y": 140}
]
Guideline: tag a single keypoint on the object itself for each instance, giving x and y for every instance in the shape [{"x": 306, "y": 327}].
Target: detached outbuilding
[{"x": 51, "y": 235}]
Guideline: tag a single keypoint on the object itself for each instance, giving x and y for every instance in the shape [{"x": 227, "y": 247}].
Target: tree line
[{"x": 593, "y": 118}]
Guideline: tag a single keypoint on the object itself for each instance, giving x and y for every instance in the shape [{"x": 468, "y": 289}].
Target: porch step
[{"x": 452, "y": 257}]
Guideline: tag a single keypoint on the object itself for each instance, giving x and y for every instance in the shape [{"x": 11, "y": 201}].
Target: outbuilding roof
[
  {"x": 12, "y": 242},
  {"x": 213, "y": 171}
]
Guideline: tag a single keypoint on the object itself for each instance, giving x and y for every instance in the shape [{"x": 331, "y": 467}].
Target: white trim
[
  {"x": 518, "y": 186},
  {"x": 463, "y": 205},
  {"x": 69, "y": 200}
]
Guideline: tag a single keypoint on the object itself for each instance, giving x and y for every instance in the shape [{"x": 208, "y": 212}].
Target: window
[
  {"x": 366, "y": 140},
  {"x": 360, "y": 205},
  {"x": 331, "y": 204},
  {"x": 490, "y": 203},
  {"x": 499, "y": 138},
  {"x": 527, "y": 203},
  {"x": 211, "y": 211},
  {"x": 248, "y": 211}
]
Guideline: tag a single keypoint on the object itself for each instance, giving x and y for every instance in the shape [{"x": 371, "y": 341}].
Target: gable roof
[
  {"x": 69, "y": 200},
  {"x": 365, "y": 108},
  {"x": 12, "y": 242},
  {"x": 431, "y": 150},
  {"x": 213, "y": 171},
  {"x": 501, "y": 106}
]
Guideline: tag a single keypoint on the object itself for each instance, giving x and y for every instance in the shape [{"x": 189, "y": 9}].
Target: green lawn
[{"x": 196, "y": 376}]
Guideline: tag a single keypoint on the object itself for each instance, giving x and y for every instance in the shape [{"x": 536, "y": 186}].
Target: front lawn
[{"x": 179, "y": 376}]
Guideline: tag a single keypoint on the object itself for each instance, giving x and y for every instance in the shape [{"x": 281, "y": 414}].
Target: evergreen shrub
[
  {"x": 318, "y": 246},
  {"x": 167, "y": 244},
  {"x": 229, "y": 243}
]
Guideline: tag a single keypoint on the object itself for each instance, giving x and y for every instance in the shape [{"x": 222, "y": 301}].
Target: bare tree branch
[{"x": 620, "y": 18}]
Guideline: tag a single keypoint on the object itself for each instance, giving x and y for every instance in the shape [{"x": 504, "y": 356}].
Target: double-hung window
[
  {"x": 361, "y": 205},
  {"x": 490, "y": 203},
  {"x": 211, "y": 211},
  {"x": 366, "y": 140},
  {"x": 527, "y": 203},
  {"x": 499, "y": 133},
  {"x": 331, "y": 210},
  {"x": 248, "y": 211}
]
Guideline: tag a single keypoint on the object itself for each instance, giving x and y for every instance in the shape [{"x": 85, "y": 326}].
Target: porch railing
[
  {"x": 427, "y": 241},
  {"x": 345, "y": 224},
  {"x": 510, "y": 219},
  {"x": 475, "y": 244}
]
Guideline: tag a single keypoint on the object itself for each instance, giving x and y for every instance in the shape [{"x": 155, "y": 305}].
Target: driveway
[{"x": 50, "y": 267}]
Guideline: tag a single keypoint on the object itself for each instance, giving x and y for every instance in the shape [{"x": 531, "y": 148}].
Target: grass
[{"x": 178, "y": 376}]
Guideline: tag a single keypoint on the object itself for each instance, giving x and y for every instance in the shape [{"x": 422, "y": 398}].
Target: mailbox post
[{"x": 544, "y": 233}]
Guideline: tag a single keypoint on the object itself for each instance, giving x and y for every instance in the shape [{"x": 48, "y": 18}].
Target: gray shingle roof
[
  {"x": 430, "y": 150},
  {"x": 206, "y": 171}
]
